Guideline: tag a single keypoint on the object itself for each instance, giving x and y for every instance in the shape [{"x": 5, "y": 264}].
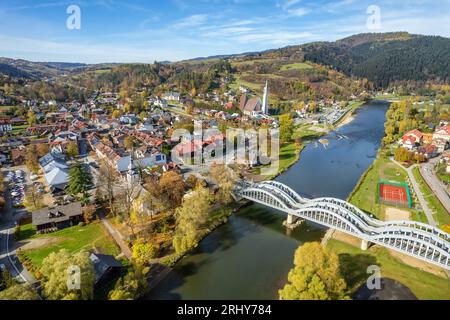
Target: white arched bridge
[{"x": 415, "y": 239}]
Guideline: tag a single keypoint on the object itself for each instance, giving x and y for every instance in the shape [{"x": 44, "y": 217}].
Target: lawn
[
  {"x": 354, "y": 263},
  {"x": 72, "y": 239},
  {"x": 296, "y": 66},
  {"x": 440, "y": 213},
  {"x": 364, "y": 196},
  {"x": 101, "y": 71},
  {"x": 238, "y": 82},
  {"x": 289, "y": 154}
]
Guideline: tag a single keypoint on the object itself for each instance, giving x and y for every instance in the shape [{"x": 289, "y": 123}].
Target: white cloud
[
  {"x": 299, "y": 12},
  {"x": 191, "y": 21}
]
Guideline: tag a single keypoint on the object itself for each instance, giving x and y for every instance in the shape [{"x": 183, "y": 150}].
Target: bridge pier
[
  {"x": 365, "y": 245},
  {"x": 292, "y": 222}
]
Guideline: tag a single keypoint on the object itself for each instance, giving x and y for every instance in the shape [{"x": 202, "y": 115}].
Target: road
[
  {"x": 420, "y": 196},
  {"x": 8, "y": 255},
  {"x": 428, "y": 173}
]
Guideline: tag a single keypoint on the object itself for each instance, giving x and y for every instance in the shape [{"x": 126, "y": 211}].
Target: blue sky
[{"x": 144, "y": 31}]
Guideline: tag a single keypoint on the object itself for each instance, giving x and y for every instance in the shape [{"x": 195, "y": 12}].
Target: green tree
[
  {"x": 315, "y": 276},
  {"x": 80, "y": 180},
  {"x": 19, "y": 292},
  {"x": 55, "y": 272},
  {"x": 286, "y": 128}
]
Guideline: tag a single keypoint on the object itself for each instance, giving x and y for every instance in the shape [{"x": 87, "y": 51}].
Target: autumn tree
[
  {"x": 42, "y": 149},
  {"x": 130, "y": 192},
  {"x": 31, "y": 159},
  {"x": 286, "y": 128},
  {"x": 56, "y": 270},
  {"x": 117, "y": 114},
  {"x": 33, "y": 198},
  {"x": 315, "y": 276},
  {"x": 129, "y": 143},
  {"x": 144, "y": 251},
  {"x": 172, "y": 189},
  {"x": 72, "y": 149},
  {"x": 132, "y": 286},
  {"x": 312, "y": 107},
  {"x": 108, "y": 179},
  {"x": 403, "y": 155},
  {"x": 225, "y": 179},
  {"x": 31, "y": 118},
  {"x": 19, "y": 292},
  {"x": 191, "y": 217}
]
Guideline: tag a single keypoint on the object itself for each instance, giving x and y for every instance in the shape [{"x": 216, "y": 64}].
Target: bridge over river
[{"x": 412, "y": 238}]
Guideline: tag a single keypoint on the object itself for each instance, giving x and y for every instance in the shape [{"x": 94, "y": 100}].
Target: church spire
[{"x": 265, "y": 106}]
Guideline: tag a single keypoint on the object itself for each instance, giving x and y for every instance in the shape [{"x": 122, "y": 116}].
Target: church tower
[{"x": 265, "y": 106}]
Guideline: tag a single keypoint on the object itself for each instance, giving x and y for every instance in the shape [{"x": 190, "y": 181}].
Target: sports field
[{"x": 394, "y": 194}]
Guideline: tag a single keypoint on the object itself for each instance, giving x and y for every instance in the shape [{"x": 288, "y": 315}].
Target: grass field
[
  {"x": 72, "y": 239},
  {"x": 354, "y": 263},
  {"x": 289, "y": 154},
  {"x": 238, "y": 82},
  {"x": 296, "y": 66},
  {"x": 101, "y": 71},
  {"x": 365, "y": 194},
  {"x": 440, "y": 213}
]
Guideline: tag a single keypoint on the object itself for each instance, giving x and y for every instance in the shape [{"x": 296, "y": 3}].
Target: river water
[{"x": 250, "y": 257}]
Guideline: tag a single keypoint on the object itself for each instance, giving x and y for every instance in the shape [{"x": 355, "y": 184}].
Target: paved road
[
  {"x": 8, "y": 255},
  {"x": 420, "y": 196},
  {"x": 428, "y": 173}
]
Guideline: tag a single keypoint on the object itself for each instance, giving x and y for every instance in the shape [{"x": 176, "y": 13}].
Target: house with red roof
[
  {"x": 412, "y": 139},
  {"x": 442, "y": 133}
]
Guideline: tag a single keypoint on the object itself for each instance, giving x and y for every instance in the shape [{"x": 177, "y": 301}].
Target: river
[{"x": 250, "y": 257}]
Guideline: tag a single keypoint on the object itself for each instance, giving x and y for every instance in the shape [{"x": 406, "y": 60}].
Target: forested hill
[{"x": 386, "y": 58}]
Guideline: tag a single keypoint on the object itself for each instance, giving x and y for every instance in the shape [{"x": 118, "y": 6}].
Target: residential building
[{"x": 53, "y": 219}]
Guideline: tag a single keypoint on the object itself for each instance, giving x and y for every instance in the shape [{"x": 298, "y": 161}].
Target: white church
[{"x": 254, "y": 106}]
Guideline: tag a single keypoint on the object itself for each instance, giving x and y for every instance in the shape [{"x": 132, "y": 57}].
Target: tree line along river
[{"x": 250, "y": 257}]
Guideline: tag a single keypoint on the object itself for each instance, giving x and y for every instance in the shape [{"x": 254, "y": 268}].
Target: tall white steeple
[{"x": 265, "y": 106}]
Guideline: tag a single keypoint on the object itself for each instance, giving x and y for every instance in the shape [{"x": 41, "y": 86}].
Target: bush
[{"x": 89, "y": 214}]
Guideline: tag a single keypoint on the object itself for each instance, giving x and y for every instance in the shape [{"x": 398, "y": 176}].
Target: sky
[{"x": 173, "y": 30}]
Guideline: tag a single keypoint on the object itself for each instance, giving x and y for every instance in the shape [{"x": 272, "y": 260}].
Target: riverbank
[
  {"x": 426, "y": 285},
  {"x": 424, "y": 280}
]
